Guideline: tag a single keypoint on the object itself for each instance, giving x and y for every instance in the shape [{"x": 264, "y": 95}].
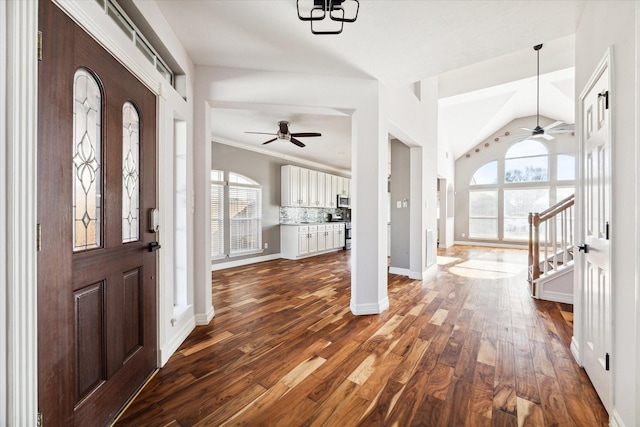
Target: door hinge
[
  {"x": 606, "y": 361},
  {"x": 39, "y": 45},
  {"x": 39, "y": 238},
  {"x": 606, "y": 230},
  {"x": 606, "y": 99},
  {"x": 39, "y": 423}
]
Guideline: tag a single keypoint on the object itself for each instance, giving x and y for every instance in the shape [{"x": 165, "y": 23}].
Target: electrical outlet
[
  {"x": 464, "y": 235},
  {"x": 266, "y": 246},
  {"x": 399, "y": 204}
]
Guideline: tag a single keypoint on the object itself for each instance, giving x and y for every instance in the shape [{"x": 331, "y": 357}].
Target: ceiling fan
[
  {"x": 283, "y": 133},
  {"x": 538, "y": 131}
]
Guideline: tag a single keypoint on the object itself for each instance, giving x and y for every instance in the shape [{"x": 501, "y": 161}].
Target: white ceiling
[{"x": 398, "y": 42}]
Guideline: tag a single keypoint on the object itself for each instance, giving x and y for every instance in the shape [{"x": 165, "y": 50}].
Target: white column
[
  {"x": 18, "y": 103},
  {"x": 417, "y": 236},
  {"x": 202, "y": 216},
  {"x": 370, "y": 154}
]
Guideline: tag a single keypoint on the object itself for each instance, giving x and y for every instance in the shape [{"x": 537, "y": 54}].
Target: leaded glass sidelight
[
  {"x": 87, "y": 111},
  {"x": 130, "y": 173}
]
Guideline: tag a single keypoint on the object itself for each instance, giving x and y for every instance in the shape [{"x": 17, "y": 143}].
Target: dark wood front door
[{"x": 96, "y": 183}]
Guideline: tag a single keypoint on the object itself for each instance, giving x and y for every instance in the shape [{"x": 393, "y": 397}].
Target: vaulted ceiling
[{"x": 481, "y": 51}]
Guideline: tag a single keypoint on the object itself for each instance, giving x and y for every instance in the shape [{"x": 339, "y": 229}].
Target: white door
[{"x": 596, "y": 192}]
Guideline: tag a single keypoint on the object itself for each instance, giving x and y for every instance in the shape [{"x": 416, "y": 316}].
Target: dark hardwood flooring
[{"x": 469, "y": 348}]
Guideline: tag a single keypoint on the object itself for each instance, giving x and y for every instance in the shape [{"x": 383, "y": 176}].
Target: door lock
[{"x": 584, "y": 248}]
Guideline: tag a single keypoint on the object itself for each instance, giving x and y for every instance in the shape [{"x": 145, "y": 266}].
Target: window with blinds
[
  {"x": 236, "y": 215},
  {"x": 245, "y": 215},
  {"x": 217, "y": 214}
]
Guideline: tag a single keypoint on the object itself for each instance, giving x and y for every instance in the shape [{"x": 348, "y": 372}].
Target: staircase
[{"x": 551, "y": 243}]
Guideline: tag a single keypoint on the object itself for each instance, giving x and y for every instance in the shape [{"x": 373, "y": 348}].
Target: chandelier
[{"x": 327, "y": 16}]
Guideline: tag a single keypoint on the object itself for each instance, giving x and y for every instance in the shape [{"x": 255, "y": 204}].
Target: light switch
[{"x": 399, "y": 204}]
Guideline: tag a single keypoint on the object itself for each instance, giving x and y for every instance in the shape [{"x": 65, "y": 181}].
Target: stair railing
[{"x": 557, "y": 244}]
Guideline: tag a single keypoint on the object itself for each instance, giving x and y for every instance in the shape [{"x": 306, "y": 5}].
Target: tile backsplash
[{"x": 294, "y": 215}]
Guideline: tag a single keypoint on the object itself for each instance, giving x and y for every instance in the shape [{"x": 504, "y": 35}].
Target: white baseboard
[
  {"x": 556, "y": 296},
  {"x": 203, "y": 319},
  {"x": 491, "y": 244},
  {"x": 400, "y": 271},
  {"x": 430, "y": 273},
  {"x": 167, "y": 351},
  {"x": 365, "y": 309},
  {"x": 425, "y": 275},
  {"x": 615, "y": 420},
  {"x": 575, "y": 350},
  {"x": 246, "y": 261}
]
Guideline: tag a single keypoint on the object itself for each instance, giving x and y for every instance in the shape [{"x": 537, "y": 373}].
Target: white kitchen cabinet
[
  {"x": 321, "y": 201},
  {"x": 313, "y": 188},
  {"x": 301, "y": 241},
  {"x": 338, "y": 235},
  {"x": 321, "y": 237},
  {"x": 343, "y": 186},
  {"x": 331, "y": 190},
  {"x": 301, "y": 187},
  {"x": 294, "y": 186},
  {"x": 313, "y": 239},
  {"x": 329, "y": 236}
]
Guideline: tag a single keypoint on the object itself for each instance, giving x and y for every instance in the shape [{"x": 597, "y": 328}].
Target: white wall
[
  {"x": 607, "y": 24},
  {"x": 368, "y": 102}
]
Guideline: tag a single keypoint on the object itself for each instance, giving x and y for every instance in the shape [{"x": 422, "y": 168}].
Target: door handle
[
  {"x": 584, "y": 248},
  {"x": 154, "y": 246}
]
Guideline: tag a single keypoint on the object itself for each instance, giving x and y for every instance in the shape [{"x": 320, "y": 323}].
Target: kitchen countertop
[{"x": 313, "y": 223}]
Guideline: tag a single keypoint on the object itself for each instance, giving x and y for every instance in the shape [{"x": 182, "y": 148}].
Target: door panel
[
  {"x": 597, "y": 213},
  {"x": 96, "y": 278}
]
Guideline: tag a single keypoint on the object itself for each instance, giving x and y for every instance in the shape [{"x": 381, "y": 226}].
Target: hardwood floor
[{"x": 469, "y": 348}]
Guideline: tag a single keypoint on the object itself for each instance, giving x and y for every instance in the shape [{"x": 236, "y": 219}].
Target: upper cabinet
[{"x": 302, "y": 187}]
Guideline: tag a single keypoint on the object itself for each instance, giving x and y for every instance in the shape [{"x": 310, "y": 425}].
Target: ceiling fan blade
[
  {"x": 263, "y": 133},
  {"x": 271, "y": 140},
  {"x": 545, "y": 136},
  {"x": 298, "y": 143},
  {"x": 554, "y": 131},
  {"x": 554, "y": 124},
  {"x": 305, "y": 134},
  {"x": 527, "y": 129}
]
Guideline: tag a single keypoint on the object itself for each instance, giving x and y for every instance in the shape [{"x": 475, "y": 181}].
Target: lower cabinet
[{"x": 300, "y": 241}]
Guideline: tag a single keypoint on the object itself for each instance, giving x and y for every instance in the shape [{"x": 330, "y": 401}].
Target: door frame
[
  {"x": 578, "y": 340},
  {"x": 19, "y": 336}
]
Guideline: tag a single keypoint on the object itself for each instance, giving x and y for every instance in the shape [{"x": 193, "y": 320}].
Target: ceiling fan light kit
[
  {"x": 338, "y": 11},
  {"x": 284, "y": 133}
]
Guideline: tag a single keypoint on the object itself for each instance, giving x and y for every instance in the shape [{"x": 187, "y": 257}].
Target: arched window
[
  {"x": 236, "y": 212},
  {"x": 486, "y": 174},
  {"x": 87, "y": 161},
  {"x": 566, "y": 167},
  {"x": 526, "y": 161},
  {"x": 130, "y": 173},
  {"x": 499, "y": 208},
  {"x": 245, "y": 214}
]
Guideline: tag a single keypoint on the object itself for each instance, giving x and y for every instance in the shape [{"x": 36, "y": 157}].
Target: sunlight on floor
[
  {"x": 481, "y": 269},
  {"x": 444, "y": 260}
]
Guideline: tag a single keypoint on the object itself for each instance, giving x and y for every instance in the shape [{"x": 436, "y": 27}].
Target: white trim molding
[
  {"x": 242, "y": 262},
  {"x": 19, "y": 111},
  {"x": 204, "y": 319},
  {"x": 365, "y": 309}
]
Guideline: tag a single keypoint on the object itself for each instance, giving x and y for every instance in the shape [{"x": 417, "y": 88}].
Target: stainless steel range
[{"x": 347, "y": 235}]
